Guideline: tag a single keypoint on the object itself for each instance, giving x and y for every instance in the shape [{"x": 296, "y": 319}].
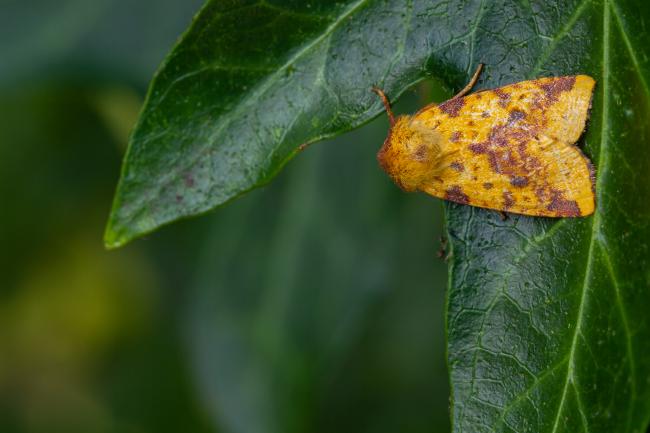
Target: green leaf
[
  {"x": 546, "y": 318},
  {"x": 251, "y": 81}
]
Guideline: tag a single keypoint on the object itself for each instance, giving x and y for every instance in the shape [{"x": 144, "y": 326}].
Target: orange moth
[{"x": 511, "y": 149}]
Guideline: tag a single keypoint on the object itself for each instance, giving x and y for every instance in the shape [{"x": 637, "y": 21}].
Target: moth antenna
[
  {"x": 386, "y": 102},
  {"x": 471, "y": 83}
]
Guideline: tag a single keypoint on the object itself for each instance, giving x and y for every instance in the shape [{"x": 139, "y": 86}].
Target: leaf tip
[{"x": 114, "y": 239}]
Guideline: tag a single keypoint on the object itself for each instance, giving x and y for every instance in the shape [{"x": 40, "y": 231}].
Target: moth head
[{"x": 411, "y": 154}]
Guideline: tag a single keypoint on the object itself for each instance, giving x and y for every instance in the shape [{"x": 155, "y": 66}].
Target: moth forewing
[{"x": 509, "y": 149}]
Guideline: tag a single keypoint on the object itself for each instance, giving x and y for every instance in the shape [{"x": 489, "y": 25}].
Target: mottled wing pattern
[{"x": 512, "y": 148}]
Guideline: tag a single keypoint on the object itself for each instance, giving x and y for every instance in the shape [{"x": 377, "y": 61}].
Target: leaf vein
[
  {"x": 253, "y": 96},
  {"x": 558, "y": 37},
  {"x": 527, "y": 392},
  {"x": 628, "y": 45},
  {"x": 626, "y": 328},
  {"x": 570, "y": 376}
]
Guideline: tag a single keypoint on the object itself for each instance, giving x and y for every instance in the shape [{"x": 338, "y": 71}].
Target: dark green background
[{"x": 315, "y": 304}]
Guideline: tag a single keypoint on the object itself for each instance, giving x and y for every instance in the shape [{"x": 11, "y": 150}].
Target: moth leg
[
  {"x": 471, "y": 83},
  {"x": 442, "y": 253},
  {"x": 502, "y": 215}
]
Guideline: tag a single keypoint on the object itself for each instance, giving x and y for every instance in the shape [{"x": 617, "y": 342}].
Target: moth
[{"x": 511, "y": 149}]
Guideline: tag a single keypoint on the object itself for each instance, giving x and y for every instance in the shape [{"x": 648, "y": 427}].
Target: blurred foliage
[
  {"x": 80, "y": 329},
  {"x": 312, "y": 305},
  {"x": 319, "y": 304}
]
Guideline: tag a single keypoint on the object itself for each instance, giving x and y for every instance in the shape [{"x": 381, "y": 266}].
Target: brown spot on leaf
[
  {"x": 189, "y": 180},
  {"x": 456, "y": 194},
  {"x": 452, "y": 107}
]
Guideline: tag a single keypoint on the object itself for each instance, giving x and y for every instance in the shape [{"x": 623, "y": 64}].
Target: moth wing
[
  {"x": 553, "y": 191},
  {"x": 564, "y": 105},
  {"x": 512, "y": 149}
]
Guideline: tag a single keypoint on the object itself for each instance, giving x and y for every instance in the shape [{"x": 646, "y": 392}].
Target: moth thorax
[{"x": 411, "y": 154}]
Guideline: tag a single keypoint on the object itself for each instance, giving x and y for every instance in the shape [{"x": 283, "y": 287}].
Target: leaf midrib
[
  {"x": 595, "y": 227},
  {"x": 628, "y": 45},
  {"x": 569, "y": 360},
  {"x": 609, "y": 8}
]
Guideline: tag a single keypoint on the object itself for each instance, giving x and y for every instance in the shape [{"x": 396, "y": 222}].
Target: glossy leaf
[
  {"x": 546, "y": 318},
  {"x": 252, "y": 81}
]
